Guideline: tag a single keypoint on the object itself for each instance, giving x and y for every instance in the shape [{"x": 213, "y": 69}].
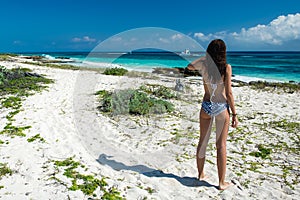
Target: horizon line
[{"x": 72, "y": 51}]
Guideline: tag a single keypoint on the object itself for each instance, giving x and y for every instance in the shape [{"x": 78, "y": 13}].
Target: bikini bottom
[{"x": 214, "y": 108}]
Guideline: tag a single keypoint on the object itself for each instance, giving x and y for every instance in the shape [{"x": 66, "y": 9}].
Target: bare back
[{"x": 215, "y": 91}]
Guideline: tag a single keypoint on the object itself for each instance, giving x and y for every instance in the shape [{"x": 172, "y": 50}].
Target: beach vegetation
[
  {"x": 141, "y": 104},
  {"x": 210, "y": 162},
  {"x": 253, "y": 166},
  {"x": 54, "y": 65},
  {"x": 115, "y": 71},
  {"x": 261, "y": 143},
  {"x": 181, "y": 134},
  {"x": 239, "y": 174},
  {"x": 11, "y": 102},
  {"x": 286, "y": 173},
  {"x": 85, "y": 183},
  {"x": 159, "y": 91},
  {"x": 271, "y": 86},
  {"x": 21, "y": 82},
  {"x": 4, "y": 170},
  {"x": 15, "y": 85},
  {"x": 12, "y": 131},
  {"x": 136, "y": 74},
  {"x": 150, "y": 190},
  {"x": 135, "y": 102},
  {"x": 112, "y": 194},
  {"x": 57, "y": 65},
  {"x": 286, "y": 125},
  {"x": 105, "y": 98},
  {"x": 276, "y": 144},
  {"x": 102, "y": 93},
  {"x": 283, "y": 146},
  {"x": 246, "y": 183},
  {"x": 2, "y": 75},
  {"x": 37, "y": 137},
  {"x": 6, "y": 56},
  {"x": 262, "y": 152}
]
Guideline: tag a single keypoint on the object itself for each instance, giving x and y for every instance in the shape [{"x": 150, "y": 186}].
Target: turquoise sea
[{"x": 278, "y": 66}]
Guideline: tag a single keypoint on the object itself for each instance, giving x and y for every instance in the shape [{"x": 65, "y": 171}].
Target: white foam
[
  {"x": 100, "y": 64},
  {"x": 111, "y": 65},
  {"x": 48, "y": 57},
  {"x": 248, "y": 79}
]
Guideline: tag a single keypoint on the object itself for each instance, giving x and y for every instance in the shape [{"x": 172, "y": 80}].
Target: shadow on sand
[{"x": 150, "y": 172}]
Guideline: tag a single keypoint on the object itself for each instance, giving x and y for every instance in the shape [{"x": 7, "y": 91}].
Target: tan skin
[{"x": 222, "y": 125}]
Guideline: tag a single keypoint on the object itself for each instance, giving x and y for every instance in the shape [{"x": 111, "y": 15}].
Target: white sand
[{"x": 137, "y": 153}]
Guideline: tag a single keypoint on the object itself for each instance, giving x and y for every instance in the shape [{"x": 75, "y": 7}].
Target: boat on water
[{"x": 186, "y": 52}]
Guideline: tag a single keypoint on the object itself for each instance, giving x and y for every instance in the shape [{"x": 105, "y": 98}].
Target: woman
[{"x": 217, "y": 100}]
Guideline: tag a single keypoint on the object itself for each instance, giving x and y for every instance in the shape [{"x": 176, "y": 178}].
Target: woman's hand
[{"x": 234, "y": 122}]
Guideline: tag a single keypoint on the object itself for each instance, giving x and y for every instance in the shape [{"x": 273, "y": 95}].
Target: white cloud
[
  {"x": 164, "y": 40},
  {"x": 200, "y": 36},
  {"x": 88, "y": 39},
  {"x": 210, "y": 36},
  {"x": 83, "y": 39},
  {"x": 278, "y": 32},
  {"x": 177, "y": 36},
  {"x": 76, "y": 39}
]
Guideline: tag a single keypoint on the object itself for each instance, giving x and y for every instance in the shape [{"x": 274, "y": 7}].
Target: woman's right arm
[{"x": 229, "y": 95}]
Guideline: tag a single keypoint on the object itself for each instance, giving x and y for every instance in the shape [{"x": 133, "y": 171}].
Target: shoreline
[
  {"x": 146, "y": 156},
  {"x": 45, "y": 58}
]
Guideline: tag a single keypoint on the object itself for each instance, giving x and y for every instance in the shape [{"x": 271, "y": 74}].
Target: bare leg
[
  {"x": 205, "y": 130},
  {"x": 222, "y": 125}
]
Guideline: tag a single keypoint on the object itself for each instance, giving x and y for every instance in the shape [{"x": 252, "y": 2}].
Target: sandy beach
[{"x": 145, "y": 157}]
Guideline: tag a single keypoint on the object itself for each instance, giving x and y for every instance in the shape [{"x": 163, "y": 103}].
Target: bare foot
[
  {"x": 203, "y": 177},
  {"x": 225, "y": 186}
]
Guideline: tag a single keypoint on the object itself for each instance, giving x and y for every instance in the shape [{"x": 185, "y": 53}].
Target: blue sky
[{"x": 32, "y": 26}]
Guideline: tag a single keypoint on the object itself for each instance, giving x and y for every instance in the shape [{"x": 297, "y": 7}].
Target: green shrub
[
  {"x": 140, "y": 103},
  {"x": 2, "y": 78},
  {"x": 3, "y": 71},
  {"x": 159, "y": 91},
  {"x": 133, "y": 102},
  {"x": 164, "y": 92},
  {"x": 120, "y": 101},
  {"x": 105, "y": 100},
  {"x": 18, "y": 81},
  {"x": 116, "y": 71}
]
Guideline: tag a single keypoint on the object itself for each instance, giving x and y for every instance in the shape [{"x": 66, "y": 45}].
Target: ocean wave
[
  {"x": 100, "y": 64},
  {"x": 248, "y": 79},
  {"x": 116, "y": 53},
  {"x": 246, "y": 56},
  {"x": 48, "y": 57}
]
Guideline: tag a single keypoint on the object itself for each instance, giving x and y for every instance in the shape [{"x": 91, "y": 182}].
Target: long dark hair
[{"x": 216, "y": 56}]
